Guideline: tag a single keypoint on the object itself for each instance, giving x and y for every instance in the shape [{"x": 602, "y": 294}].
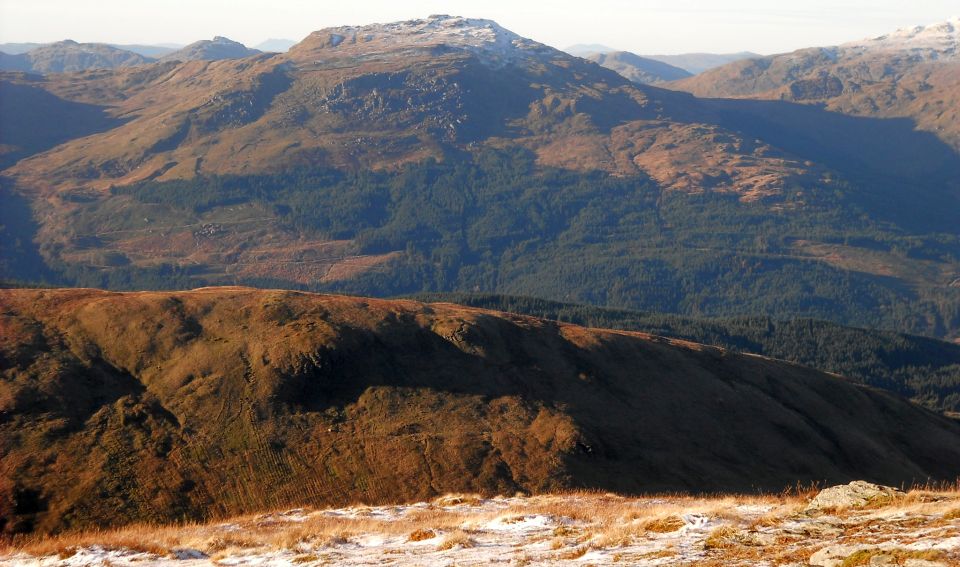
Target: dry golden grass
[
  {"x": 458, "y": 538},
  {"x": 458, "y": 500},
  {"x": 612, "y": 519},
  {"x": 575, "y": 553},
  {"x": 894, "y": 556},
  {"x": 723, "y": 537},
  {"x": 746, "y": 528},
  {"x": 421, "y": 534},
  {"x": 664, "y": 525}
]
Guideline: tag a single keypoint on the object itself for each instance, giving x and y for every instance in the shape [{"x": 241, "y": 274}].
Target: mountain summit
[
  {"x": 68, "y": 55},
  {"x": 211, "y": 50},
  {"x": 931, "y": 42},
  {"x": 910, "y": 73},
  {"x": 492, "y": 43}
]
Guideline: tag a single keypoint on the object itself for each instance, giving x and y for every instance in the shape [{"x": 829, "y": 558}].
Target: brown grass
[
  {"x": 896, "y": 556},
  {"x": 589, "y": 521},
  {"x": 722, "y": 537},
  {"x": 421, "y": 534},
  {"x": 575, "y": 553},
  {"x": 458, "y": 538},
  {"x": 664, "y": 525}
]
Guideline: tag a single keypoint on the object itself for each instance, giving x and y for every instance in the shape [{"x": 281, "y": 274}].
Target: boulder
[
  {"x": 832, "y": 556},
  {"x": 857, "y": 494}
]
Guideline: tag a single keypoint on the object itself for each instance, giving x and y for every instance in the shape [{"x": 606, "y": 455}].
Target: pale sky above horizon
[{"x": 641, "y": 26}]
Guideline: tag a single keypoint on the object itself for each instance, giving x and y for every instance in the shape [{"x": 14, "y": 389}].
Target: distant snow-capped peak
[
  {"x": 485, "y": 38},
  {"x": 933, "y": 40}
]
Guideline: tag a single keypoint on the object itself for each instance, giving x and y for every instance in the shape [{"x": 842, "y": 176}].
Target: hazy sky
[{"x": 642, "y": 26}]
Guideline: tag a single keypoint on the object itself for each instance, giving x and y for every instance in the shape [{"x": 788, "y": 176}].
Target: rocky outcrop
[{"x": 857, "y": 494}]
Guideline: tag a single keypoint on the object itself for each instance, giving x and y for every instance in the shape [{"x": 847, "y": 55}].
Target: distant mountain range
[
  {"x": 911, "y": 73},
  {"x": 65, "y": 56},
  {"x": 582, "y": 49},
  {"x": 450, "y": 154},
  {"x": 70, "y": 56},
  {"x": 275, "y": 45},
  {"x": 638, "y": 69},
  {"x": 692, "y": 63},
  {"x": 696, "y": 63}
]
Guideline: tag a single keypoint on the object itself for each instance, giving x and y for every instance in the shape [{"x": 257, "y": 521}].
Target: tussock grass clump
[
  {"x": 898, "y": 556},
  {"x": 723, "y": 537},
  {"x": 421, "y": 534},
  {"x": 458, "y": 500},
  {"x": 458, "y": 538},
  {"x": 575, "y": 553},
  {"x": 664, "y": 525}
]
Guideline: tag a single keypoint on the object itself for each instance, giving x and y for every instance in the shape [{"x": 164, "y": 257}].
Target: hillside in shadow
[
  {"x": 163, "y": 406},
  {"x": 35, "y": 120}
]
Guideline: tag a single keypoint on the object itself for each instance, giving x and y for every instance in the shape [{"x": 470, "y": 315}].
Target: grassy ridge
[
  {"x": 922, "y": 369},
  {"x": 162, "y": 406}
]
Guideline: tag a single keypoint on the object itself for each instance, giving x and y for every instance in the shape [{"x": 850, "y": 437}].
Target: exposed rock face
[
  {"x": 161, "y": 406},
  {"x": 857, "y": 494}
]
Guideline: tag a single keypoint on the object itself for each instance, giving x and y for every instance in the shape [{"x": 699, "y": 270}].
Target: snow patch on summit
[
  {"x": 486, "y": 39},
  {"x": 933, "y": 41}
]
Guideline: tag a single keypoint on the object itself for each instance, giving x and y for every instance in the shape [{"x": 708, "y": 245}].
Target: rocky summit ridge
[
  {"x": 490, "y": 42},
  {"x": 931, "y": 41}
]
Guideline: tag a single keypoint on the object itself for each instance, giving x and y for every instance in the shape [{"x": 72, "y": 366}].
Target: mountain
[
  {"x": 275, "y": 45},
  {"x": 581, "y": 49},
  {"x": 692, "y": 63},
  {"x": 14, "y": 62},
  {"x": 68, "y": 55},
  {"x": 211, "y": 50},
  {"x": 163, "y": 407},
  {"x": 450, "y": 154},
  {"x": 911, "y": 73},
  {"x": 18, "y": 48},
  {"x": 696, "y": 63},
  {"x": 638, "y": 69},
  {"x": 151, "y": 51}
]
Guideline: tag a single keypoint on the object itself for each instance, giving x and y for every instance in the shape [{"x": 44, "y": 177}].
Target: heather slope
[{"x": 159, "y": 406}]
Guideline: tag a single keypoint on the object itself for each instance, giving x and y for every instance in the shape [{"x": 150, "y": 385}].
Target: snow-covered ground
[{"x": 574, "y": 529}]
